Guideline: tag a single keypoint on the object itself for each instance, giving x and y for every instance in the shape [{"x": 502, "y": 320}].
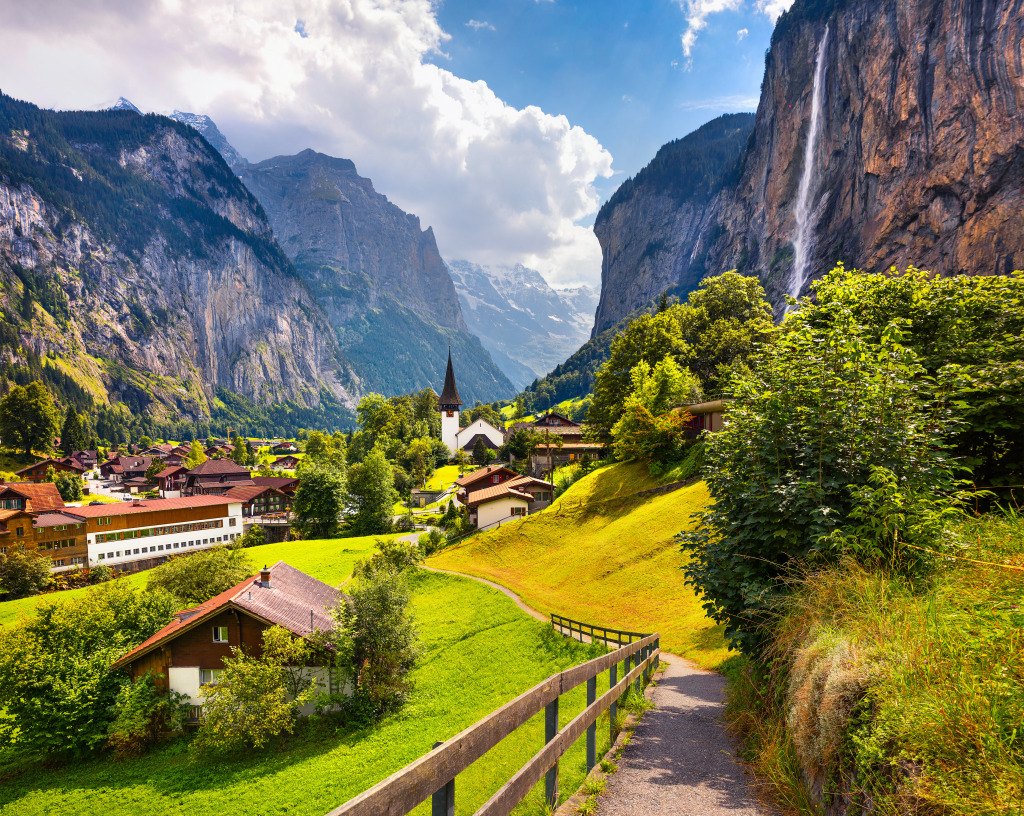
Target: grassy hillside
[
  {"x": 602, "y": 558},
  {"x": 479, "y": 651}
]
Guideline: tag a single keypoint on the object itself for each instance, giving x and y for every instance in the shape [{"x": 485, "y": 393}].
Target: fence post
[
  {"x": 550, "y": 731},
  {"x": 638, "y": 683},
  {"x": 613, "y": 678},
  {"x": 657, "y": 658},
  {"x": 592, "y": 729},
  {"x": 442, "y": 803}
]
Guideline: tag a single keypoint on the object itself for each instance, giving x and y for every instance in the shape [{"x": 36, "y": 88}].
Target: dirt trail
[{"x": 681, "y": 760}]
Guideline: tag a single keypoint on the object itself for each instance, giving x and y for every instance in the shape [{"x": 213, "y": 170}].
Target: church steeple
[{"x": 449, "y": 399}]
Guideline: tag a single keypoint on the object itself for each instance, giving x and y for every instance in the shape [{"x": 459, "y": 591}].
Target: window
[
  {"x": 518, "y": 511},
  {"x": 160, "y": 546},
  {"x": 210, "y": 677},
  {"x": 102, "y": 556},
  {"x": 232, "y": 522},
  {"x": 58, "y": 562},
  {"x": 20, "y": 531},
  {"x": 220, "y": 634},
  {"x": 136, "y": 551}
]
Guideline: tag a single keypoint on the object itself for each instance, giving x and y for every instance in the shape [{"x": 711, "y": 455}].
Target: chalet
[
  {"x": 181, "y": 450},
  {"x": 549, "y": 454},
  {"x": 158, "y": 451},
  {"x": 493, "y": 505},
  {"x": 86, "y": 458},
  {"x": 481, "y": 478},
  {"x": 136, "y": 484},
  {"x": 286, "y": 484},
  {"x": 141, "y": 534},
  {"x": 214, "y": 477},
  {"x": 188, "y": 653},
  {"x": 30, "y": 496},
  {"x": 286, "y": 462},
  {"x": 286, "y": 447},
  {"x": 135, "y": 467},
  {"x": 171, "y": 481},
  {"x": 31, "y": 518},
  {"x": 16, "y": 530},
  {"x": 705, "y": 416},
  {"x": 37, "y": 472},
  {"x": 218, "y": 451},
  {"x": 260, "y": 500},
  {"x": 62, "y": 537}
]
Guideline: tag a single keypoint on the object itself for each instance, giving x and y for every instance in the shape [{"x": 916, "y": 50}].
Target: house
[
  {"x": 493, "y": 505},
  {"x": 140, "y": 534},
  {"x": 30, "y": 496},
  {"x": 549, "y": 454},
  {"x": 86, "y": 458},
  {"x": 219, "y": 451},
  {"x": 31, "y": 518},
  {"x": 188, "y": 653},
  {"x": 465, "y": 438},
  {"x": 16, "y": 530},
  {"x": 448, "y": 404},
  {"x": 158, "y": 451},
  {"x": 171, "y": 481},
  {"x": 37, "y": 472},
  {"x": 62, "y": 537},
  {"x": 286, "y": 484},
  {"x": 285, "y": 447},
  {"x": 286, "y": 463},
  {"x": 214, "y": 476},
  {"x": 135, "y": 467},
  {"x": 421, "y": 498},
  {"x": 482, "y": 477},
  {"x": 705, "y": 416},
  {"x": 136, "y": 484},
  {"x": 260, "y": 500}
]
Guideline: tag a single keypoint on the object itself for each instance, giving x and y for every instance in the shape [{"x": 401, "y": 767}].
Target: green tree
[
  {"x": 196, "y": 455},
  {"x": 376, "y": 418},
  {"x": 56, "y": 688},
  {"x": 69, "y": 485},
  {"x": 155, "y": 467},
  {"x": 24, "y": 572},
  {"x": 197, "y": 577},
  {"x": 72, "y": 434},
  {"x": 28, "y": 418},
  {"x": 480, "y": 451},
  {"x": 826, "y": 416},
  {"x": 240, "y": 451},
  {"x": 373, "y": 494},
  {"x": 144, "y": 715},
  {"x": 258, "y": 696},
  {"x": 419, "y": 459},
  {"x": 145, "y": 442},
  {"x": 319, "y": 500}
]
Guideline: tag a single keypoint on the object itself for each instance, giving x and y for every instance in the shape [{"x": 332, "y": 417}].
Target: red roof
[
  {"x": 513, "y": 488},
  {"x": 294, "y": 600},
  {"x": 280, "y": 482},
  {"x": 170, "y": 471},
  {"x": 148, "y": 506},
  {"x": 41, "y": 497},
  {"x": 483, "y": 473},
  {"x": 217, "y": 467}
]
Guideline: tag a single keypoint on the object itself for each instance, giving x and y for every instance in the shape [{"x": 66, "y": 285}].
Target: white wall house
[
  {"x": 464, "y": 437},
  {"x": 499, "y": 511}
]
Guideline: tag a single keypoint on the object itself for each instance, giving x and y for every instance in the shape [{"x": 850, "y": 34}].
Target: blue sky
[
  {"x": 616, "y": 69},
  {"x": 502, "y": 124}
]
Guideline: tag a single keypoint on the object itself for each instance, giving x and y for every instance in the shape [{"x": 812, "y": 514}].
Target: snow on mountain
[{"x": 206, "y": 126}]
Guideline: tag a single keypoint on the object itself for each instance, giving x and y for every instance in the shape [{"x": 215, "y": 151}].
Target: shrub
[
  {"x": 142, "y": 715},
  {"x": 197, "y": 577},
  {"x": 24, "y": 573},
  {"x": 825, "y": 413},
  {"x": 431, "y": 542},
  {"x": 253, "y": 537},
  {"x": 392, "y": 556},
  {"x": 405, "y": 524}
]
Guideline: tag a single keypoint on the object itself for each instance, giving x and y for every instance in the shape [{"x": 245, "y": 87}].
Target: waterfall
[{"x": 803, "y": 214}]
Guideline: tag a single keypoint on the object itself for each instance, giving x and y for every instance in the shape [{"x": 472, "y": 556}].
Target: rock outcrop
[
  {"x": 133, "y": 259},
  {"x": 919, "y": 160}
]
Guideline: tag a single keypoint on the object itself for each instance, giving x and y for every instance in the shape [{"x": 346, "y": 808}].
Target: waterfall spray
[{"x": 802, "y": 214}]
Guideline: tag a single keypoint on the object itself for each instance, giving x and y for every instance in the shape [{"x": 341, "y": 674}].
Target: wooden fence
[
  {"x": 577, "y": 630},
  {"x": 433, "y": 775}
]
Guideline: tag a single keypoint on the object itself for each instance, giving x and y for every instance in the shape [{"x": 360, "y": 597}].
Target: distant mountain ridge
[{"x": 528, "y": 326}]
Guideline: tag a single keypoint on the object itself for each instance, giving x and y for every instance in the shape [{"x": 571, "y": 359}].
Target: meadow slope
[{"x": 602, "y": 555}]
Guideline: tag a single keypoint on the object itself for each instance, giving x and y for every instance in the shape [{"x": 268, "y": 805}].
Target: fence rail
[
  {"x": 433, "y": 775},
  {"x": 577, "y": 629}
]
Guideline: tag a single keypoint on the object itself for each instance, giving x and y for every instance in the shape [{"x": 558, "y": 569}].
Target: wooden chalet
[
  {"x": 260, "y": 500},
  {"x": 549, "y": 454},
  {"x": 214, "y": 477},
  {"x": 286, "y": 462},
  {"x": 37, "y": 472},
  {"x": 285, "y": 447},
  {"x": 188, "y": 653},
  {"x": 493, "y": 505},
  {"x": 171, "y": 481},
  {"x": 482, "y": 477},
  {"x": 286, "y": 484}
]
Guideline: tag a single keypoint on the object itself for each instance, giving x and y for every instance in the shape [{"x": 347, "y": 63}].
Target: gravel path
[{"x": 681, "y": 761}]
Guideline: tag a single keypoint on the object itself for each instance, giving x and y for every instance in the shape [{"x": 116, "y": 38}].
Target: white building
[
  {"x": 449, "y": 403},
  {"x": 466, "y": 437}
]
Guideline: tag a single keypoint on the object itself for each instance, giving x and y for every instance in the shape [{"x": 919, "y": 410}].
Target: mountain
[
  {"x": 205, "y": 125},
  {"x": 134, "y": 262},
  {"x": 379, "y": 276},
  {"x": 124, "y": 104},
  {"x": 526, "y": 325},
  {"x": 887, "y": 134}
]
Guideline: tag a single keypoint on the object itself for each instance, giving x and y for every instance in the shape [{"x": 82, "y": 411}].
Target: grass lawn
[
  {"x": 330, "y": 560},
  {"x": 479, "y": 651},
  {"x": 603, "y": 559},
  {"x": 443, "y": 477}
]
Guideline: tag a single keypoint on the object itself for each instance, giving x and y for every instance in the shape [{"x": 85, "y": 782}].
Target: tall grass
[{"x": 910, "y": 697}]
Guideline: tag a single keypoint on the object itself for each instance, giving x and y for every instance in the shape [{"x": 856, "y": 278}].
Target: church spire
[{"x": 450, "y": 394}]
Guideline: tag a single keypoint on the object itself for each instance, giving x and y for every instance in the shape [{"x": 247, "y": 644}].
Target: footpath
[{"x": 681, "y": 760}]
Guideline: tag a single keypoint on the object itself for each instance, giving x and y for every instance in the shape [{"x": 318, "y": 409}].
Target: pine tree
[{"x": 72, "y": 434}]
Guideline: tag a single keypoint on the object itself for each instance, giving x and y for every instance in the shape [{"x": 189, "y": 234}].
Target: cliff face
[
  {"x": 919, "y": 157},
  {"x": 380, "y": 277},
  {"x": 134, "y": 259}
]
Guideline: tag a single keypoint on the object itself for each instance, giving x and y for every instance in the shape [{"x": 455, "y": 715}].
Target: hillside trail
[{"x": 681, "y": 759}]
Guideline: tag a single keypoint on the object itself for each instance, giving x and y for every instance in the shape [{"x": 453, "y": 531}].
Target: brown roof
[
  {"x": 205, "y": 484},
  {"x": 49, "y": 462},
  {"x": 41, "y": 497},
  {"x": 294, "y": 600},
  {"x": 249, "y": 492},
  {"x": 280, "y": 482},
  {"x": 481, "y": 473},
  {"x": 217, "y": 467},
  {"x": 170, "y": 471},
  {"x": 55, "y": 519},
  {"x": 498, "y": 491},
  {"x": 450, "y": 393},
  {"x": 150, "y": 505}
]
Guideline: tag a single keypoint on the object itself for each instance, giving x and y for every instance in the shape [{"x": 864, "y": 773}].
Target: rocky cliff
[
  {"x": 918, "y": 157},
  {"x": 133, "y": 259},
  {"x": 380, "y": 277},
  {"x": 526, "y": 325}
]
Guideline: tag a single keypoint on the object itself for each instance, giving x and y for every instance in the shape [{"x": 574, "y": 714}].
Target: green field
[
  {"x": 443, "y": 477},
  {"x": 602, "y": 558}
]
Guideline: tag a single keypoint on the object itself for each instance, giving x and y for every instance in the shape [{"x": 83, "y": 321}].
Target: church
[{"x": 455, "y": 437}]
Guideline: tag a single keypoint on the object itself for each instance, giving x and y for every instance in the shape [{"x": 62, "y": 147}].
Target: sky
[{"x": 502, "y": 124}]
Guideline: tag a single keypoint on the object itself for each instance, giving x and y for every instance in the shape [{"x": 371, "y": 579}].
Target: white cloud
[
  {"x": 476, "y": 25},
  {"x": 497, "y": 183},
  {"x": 732, "y": 102},
  {"x": 743, "y": 32},
  {"x": 698, "y": 11},
  {"x": 773, "y": 8}
]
